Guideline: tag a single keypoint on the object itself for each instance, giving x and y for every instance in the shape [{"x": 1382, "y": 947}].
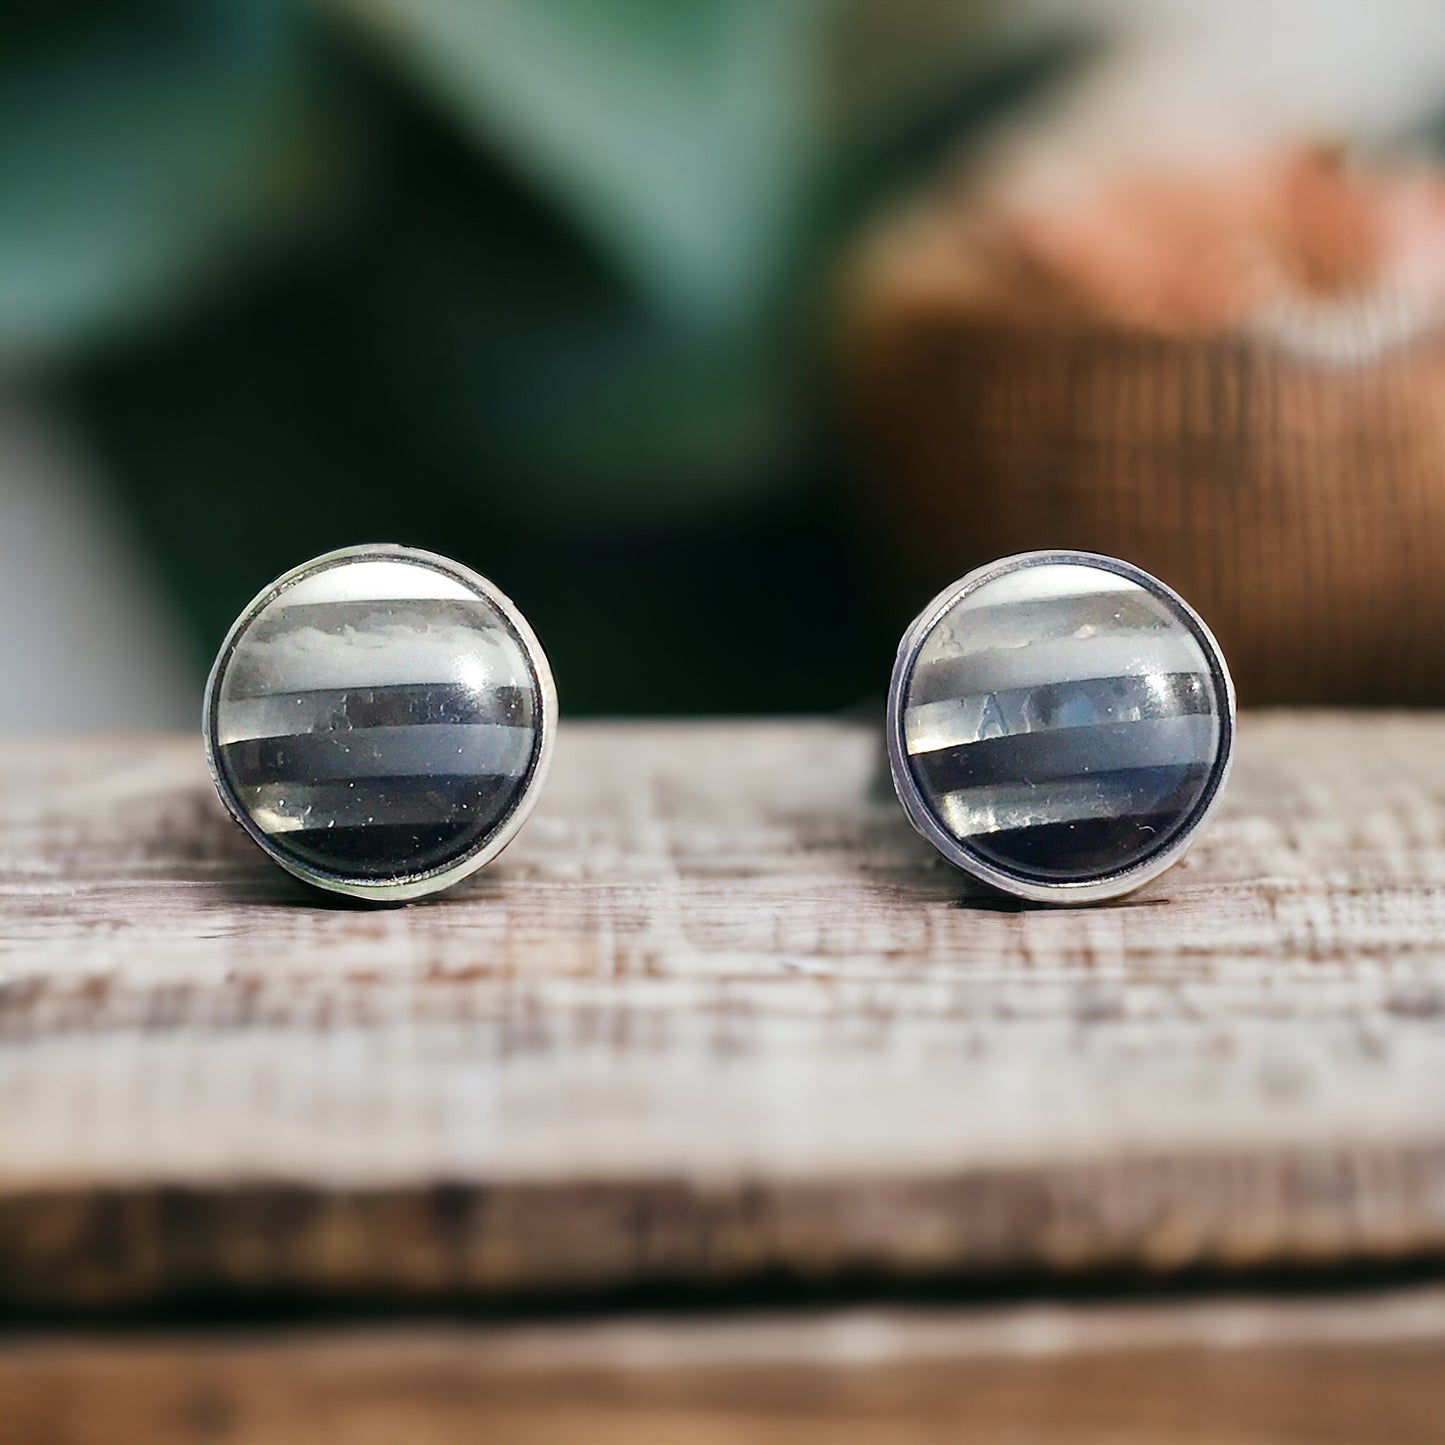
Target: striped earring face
[
  {"x": 1059, "y": 725},
  {"x": 380, "y": 721}
]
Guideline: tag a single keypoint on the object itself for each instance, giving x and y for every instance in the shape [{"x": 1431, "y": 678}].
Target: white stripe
[
  {"x": 376, "y": 582},
  {"x": 1044, "y": 583},
  {"x": 953, "y": 722},
  {"x": 380, "y": 655},
  {"x": 973, "y": 811}
]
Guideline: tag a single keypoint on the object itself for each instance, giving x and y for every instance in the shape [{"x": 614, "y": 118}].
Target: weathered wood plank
[
  {"x": 1346, "y": 1370},
  {"x": 716, "y": 1014}
]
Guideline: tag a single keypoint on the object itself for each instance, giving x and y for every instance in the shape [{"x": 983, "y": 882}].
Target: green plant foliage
[
  {"x": 544, "y": 286},
  {"x": 144, "y": 149},
  {"x": 679, "y": 136}
]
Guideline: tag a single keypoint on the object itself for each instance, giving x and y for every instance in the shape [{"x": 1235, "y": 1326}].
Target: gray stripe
[
  {"x": 1129, "y": 654},
  {"x": 1042, "y": 759}
]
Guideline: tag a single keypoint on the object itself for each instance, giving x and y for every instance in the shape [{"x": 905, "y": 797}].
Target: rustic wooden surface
[
  {"x": 716, "y": 1017},
  {"x": 1356, "y": 1370}
]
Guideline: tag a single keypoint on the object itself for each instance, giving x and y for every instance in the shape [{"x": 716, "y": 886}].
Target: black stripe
[
  {"x": 1044, "y": 756},
  {"x": 1088, "y": 848},
  {"x": 410, "y": 704},
  {"x": 422, "y": 795},
  {"x": 382, "y": 851},
  {"x": 328, "y": 757},
  {"x": 398, "y": 850}
]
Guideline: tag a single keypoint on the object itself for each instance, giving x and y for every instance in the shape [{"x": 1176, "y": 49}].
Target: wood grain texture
[
  {"x": 716, "y": 1016},
  {"x": 1356, "y": 1370}
]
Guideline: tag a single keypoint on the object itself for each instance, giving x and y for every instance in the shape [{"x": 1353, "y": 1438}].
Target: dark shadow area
[{"x": 779, "y": 1292}]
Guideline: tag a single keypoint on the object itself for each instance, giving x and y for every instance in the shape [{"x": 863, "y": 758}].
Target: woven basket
[{"x": 1296, "y": 500}]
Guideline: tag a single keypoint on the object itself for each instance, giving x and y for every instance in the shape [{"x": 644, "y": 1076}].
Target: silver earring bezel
[
  {"x": 1061, "y": 892},
  {"x": 406, "y": 887}
]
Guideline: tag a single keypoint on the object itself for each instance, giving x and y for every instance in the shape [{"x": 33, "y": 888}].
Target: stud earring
[
  {"x": 380, "y": 721},
  {"x": 1060, "y": 725}
]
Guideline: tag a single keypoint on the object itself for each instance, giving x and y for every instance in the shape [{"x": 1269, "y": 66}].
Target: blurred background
[{"x": 719, "y": 333}]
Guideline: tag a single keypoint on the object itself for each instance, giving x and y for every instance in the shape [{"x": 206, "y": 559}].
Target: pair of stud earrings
[{"x": 380, "y": 720}]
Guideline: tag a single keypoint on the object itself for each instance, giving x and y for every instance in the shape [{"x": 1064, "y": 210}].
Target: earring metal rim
[
  {"x": 1063, "y": 892},
  {"x": 405, "y": 887}
]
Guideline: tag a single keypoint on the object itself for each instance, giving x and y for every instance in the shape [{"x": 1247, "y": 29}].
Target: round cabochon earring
[
  {"x": 1060, "y": 725},
  {"x": 380, "y": 721}
]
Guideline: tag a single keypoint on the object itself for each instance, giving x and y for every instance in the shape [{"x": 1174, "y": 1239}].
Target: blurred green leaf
[
  {"x": 680, "y": 136},
  {"x": 144, "y": 147},
  {"x": 569, "y": 324},
  {"x": 700, "y": 142},
  {"x": 943, "y": 111},
  {"x": 882, "y": 55},
  {"x": 495, "y": 335}
]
